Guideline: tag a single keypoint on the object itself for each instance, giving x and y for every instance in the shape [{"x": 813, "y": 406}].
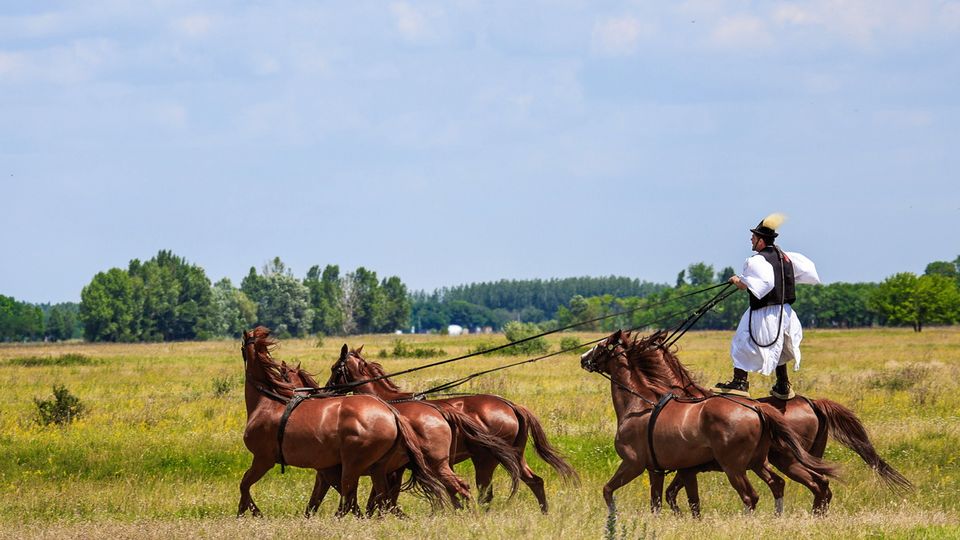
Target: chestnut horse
[
  {"x": 687, "y": 432},
  {"x": 814, "y": 420},
  {"x": 502, "y": 418},
  {"x": 361, "y": 435},
  {"x": 441, "y": 429}
]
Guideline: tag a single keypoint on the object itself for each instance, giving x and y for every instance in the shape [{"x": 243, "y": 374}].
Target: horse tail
[
  {"x": 786, "y": 441},
  {"x": 846, "y": 428},
  {"x": 477, "y": 436},
  {"x": 423, "y": 479},
  {"x": 530, "y": 423}
]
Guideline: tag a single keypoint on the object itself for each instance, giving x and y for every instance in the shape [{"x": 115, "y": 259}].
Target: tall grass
[{"x": 159, "y": 451}]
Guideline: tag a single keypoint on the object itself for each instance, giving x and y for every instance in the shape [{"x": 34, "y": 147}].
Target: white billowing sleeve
[
  {"x": 757, "y": 275},
  {"x": 804, "y": 271}
]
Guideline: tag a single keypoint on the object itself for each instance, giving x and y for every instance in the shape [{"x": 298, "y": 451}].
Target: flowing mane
[
  {"x": 373, "y": 369},
  {"x": 263, "y": 345},
  {"x": 646, "y": 356},
  {"x": 659, "y": 364}
]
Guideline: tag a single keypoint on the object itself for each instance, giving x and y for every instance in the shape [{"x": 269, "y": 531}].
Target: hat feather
[{"x": 774, "y": 220}]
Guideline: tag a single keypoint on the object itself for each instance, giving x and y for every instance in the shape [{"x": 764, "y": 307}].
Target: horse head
[{"x": 598, "y": 358}]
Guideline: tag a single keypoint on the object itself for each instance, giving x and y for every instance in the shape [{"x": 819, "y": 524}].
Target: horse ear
[
  {"x": 344, "y": 351},
  {"x": 360, "y": 348},
  {"x": 617, "y": 335}
]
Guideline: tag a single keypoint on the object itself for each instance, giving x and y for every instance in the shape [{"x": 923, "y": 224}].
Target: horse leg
[
  {"x": 484, "y": 465},
  {"x": 625, "y": 473},
  {"x": 672, "y": 489},
  {"x": 257, "y": 469},
  {"x": 320, "y": 487},
  {"x": 817, "y": 484},
  {"x": 692, "y": 488},
  {"x": 535, "y": 483},
  {"x": 775, "y": 483},
  {"x": 656, "y": 491},
  {"x": 741, "y": 484},
  {"x": 349, "y": 480}
]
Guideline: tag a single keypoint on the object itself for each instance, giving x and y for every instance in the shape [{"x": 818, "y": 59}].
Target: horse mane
[
  {"x": 373, "y": 369},
  {"x": 645, "y": 356},
  {"x": 263, "y": 345},
  {"x": 660, "y": 364}
]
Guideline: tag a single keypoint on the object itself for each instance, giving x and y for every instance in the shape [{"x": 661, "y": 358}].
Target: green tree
[
  {"x": 110, "y": 307},
  {"x": 905, "y": 299},
  {"x": 230, "y": 313},
  {"x": 19, "y": 320},
  {"x": 63, "y": 322},
  {"x": 363, "y": 304},
  {"x": 396, "y": 305},
  {"x": 700, "y": 274},
  {"x": 326, "y": 298},
  {"x": 176, "y": 297},
  {"x": 283, "y": 302}
]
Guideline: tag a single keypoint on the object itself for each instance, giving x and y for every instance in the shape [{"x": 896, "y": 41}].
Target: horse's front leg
[{"x": 656, "y": 491}]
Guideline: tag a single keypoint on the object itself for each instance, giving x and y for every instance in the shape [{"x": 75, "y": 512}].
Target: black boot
[
  {"x": 739, "y": 386},
  {"x": 782, "y": 388}
]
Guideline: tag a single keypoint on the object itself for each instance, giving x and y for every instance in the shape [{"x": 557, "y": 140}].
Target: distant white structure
[{"x": 454, "y": 329}]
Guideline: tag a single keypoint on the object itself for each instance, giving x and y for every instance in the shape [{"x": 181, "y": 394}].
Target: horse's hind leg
[
  {"x": 257, "y": 469},
  {"x": 325, "y": 479},
  {"x": 776, "y": 486},
  {"x": 535, "y": 483},
  {"x": 817, "y": 484},
  {"x": 484, "y": 466},
  {"x": 687, "y": 479},
  {"x": 741, "y": 484}
]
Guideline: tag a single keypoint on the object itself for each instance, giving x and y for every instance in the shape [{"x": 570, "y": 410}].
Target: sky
[{"x": 452, "y": 142}]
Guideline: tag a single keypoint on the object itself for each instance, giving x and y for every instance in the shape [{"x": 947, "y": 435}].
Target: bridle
[{"x": 616, "y": 349}]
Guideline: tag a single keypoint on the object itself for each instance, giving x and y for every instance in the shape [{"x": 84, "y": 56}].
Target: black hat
[{"x": 767, "y": 227}]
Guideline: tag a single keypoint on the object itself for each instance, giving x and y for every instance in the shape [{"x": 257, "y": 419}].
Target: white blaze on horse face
[{"x": 584, "y": 356}]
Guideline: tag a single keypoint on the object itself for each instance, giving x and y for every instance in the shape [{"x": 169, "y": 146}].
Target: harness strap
[
  {"x": 291, "y": 405},
  {"x": 653, "y": 420}
]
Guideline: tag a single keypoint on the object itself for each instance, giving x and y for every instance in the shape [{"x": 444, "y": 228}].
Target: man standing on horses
[{"x": 769, "y": 333}]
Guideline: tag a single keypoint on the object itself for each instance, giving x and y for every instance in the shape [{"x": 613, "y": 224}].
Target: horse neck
[
  {"x": 379, "y": 388},
  {"x": 255, "y": 376},
  {"x": 625, "y": 402},
  {"x": 689, "y": 388}
]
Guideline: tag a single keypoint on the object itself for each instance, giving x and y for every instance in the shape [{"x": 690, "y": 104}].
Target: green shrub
[
  {"x": 515, "y": 331},
  {"x": 900, "y": 379},
  {"x": 402, "y": 349},
  {"x": 572, "y": 344},
  {"x": 483, "y": 346},
  {"x": 222, "y": 386},
  {"x": 62, "y": 409},
  {"x": 319, "y": 340}
]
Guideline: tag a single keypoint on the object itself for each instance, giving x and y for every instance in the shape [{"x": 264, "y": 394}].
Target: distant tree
[
  {"x": 396, "y": 305},
  {"x": 63, "y": 322},
  {"x": 231, "y": 312},
  {"x": 326, "y": 298},
  {"x": 110, "y": 307},
  {"x": 905, "y": 299},
  {"x": 283, "y": 301},
  {"x": 176, "y": 297},
  {"x": 365, "y": 300},
  {"x": 19, "y": 320},
  {"x": 941, "y": 268},
  {"x": 700, "y": 274},
  {"x": 726, "y": 274}
]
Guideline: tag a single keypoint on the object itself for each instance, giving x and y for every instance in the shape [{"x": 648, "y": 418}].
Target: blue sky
[{"x": 460, "y": 141}]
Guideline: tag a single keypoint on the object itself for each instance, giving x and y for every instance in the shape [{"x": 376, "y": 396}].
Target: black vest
[{"x": 784, "y": 290}]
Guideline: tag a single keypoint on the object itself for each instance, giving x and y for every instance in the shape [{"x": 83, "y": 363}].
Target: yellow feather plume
[{"x": 774, "y": 220}]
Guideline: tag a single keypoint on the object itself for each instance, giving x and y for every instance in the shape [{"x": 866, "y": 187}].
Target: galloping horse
[
  {"x": 689, "y": 433},
  {"x": 359, "y": 434},
  {"x": 442, "y": 430},
  {"x": 812, "y": 419},
  {"x": 502, "y": 418}
]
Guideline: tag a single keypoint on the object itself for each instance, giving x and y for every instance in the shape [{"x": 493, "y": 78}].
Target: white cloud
[
  {"x": 411, "y": 23},
  {"x": 194, "y": 26},
  {"x": 619, "y": 35},
  {"x": 742, "y": 32}
]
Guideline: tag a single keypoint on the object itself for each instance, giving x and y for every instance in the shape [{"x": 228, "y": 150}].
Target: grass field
[{"x": 159, "y": 453}]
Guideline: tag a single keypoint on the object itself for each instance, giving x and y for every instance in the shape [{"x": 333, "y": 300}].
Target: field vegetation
[{"x": 158, "y": 453}]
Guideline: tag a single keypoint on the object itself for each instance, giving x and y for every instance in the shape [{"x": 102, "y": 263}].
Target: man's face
[{"x": 756, "y": 242}]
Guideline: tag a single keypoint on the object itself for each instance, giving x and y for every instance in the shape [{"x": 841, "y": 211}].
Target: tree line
[{"x": 167, "y": 298}]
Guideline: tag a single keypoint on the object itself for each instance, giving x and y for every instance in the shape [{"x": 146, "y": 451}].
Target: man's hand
[{"x": 736, "y": 281}]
